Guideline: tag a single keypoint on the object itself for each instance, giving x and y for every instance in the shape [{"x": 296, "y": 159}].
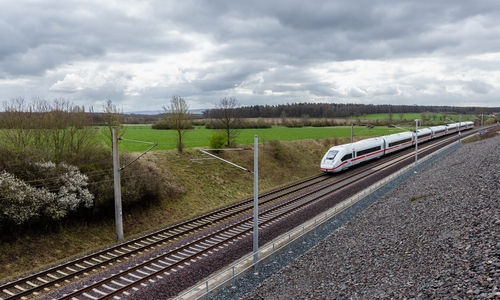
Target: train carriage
[
  {"x": 424, "y": 135},
  {"x": 398, "y": 141},
  {"x": 466, "y": 125},
  {"x": 451, "y": 128},
  {"x": 438, "y": 131}
]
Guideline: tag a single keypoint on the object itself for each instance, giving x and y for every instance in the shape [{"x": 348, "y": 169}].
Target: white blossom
[{"x": 22, "y": 203}]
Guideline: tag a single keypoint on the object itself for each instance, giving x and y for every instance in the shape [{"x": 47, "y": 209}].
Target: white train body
[{"x": 342, "y": 157}]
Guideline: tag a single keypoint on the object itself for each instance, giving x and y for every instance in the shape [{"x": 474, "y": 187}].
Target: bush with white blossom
[{"x": 62, "y": 190}]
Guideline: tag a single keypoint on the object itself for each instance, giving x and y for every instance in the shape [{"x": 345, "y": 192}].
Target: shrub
[
  {"x": 241, "y": 125},
  {"x": 294, "y": 124},
  {"x": 218, "y": 140},
  {"x": 161, "y": 124},
  {"x": 61, "y": 189},
  {"x": 142, "y": 183},
  {"x": 276, "y": 150}
]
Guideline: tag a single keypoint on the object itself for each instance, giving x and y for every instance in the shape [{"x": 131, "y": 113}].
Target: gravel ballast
[{"x": 434, "y": 236}]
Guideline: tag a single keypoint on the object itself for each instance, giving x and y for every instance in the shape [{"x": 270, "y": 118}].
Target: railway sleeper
[
  {"x": 178, "y": 257},
  {"x": 70, "y": 269},
  {"x": 42, "y": 280},
  {"x": 151, "y": 269},
  {"x": 109, "y": 288},
  {"x": 143, "y": 272},
  {"x": 32, "y": 284},
  {"x": 117, "y": 283},
  {"x": 99, "y": 292},
  {"x": 135, "y": 276},
  {"x": 189, "y": 252},
  {"x": 9, "y": 292}
]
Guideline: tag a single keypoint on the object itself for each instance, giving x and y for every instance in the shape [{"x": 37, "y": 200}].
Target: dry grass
[
  {"x": 205, "y": 185},
  {"x": 491, "y": 132}
]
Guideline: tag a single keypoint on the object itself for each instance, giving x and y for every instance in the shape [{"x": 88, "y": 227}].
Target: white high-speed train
[{"x": 341, "y": 157}]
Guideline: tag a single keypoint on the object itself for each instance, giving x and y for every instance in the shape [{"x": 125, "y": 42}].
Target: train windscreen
[{"x": 331, "y": 154}]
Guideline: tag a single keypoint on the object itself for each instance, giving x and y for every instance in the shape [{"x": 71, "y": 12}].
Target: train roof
[
  {"x": 424, "y": 131},
  {"x": 398, "y": 136}
]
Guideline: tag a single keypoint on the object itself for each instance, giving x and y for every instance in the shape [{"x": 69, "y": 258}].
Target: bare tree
[
  {"x": 178, "y": 118},
  {"x": 58, "y": 128},
  {"x": 112, "y": 119},
  {"x": 226, "y": 115}
]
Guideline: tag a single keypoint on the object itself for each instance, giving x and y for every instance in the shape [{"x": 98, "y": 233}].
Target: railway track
[
  {"x": 299, "y": 196},
  {"x": 189, "y": 255},
  {"x": 58, "y": 275}
]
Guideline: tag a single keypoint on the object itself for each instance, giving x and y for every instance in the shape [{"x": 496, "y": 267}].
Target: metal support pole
[
  {"x": 460, "y": 125},
  {"x": 118, "y": 192},
  {"x": 351, "y": 131},
  {"x": 416, "y": 143},
  {"x": 255, "y": 202}
]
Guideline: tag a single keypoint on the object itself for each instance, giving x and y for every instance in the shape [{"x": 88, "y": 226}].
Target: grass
[
  {"x": 199, "y": 137},
  {"x": 413, "y": 116},
  {"x": 207, "y": 184},
  {"x": 414, "y": 198}
]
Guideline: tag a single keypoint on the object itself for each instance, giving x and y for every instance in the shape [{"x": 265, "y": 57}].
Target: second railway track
[
  {"x": 148, "y": 270},
  {"x": 57, "y": 275}
]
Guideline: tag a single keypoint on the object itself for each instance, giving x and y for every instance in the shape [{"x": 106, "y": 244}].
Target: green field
[
  {"x": 137, "y": 137},
  {"x": 410, "y": 117},
  {"x": 199, "y": 137}
]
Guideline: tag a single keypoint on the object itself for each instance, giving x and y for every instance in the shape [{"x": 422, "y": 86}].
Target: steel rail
[
  {"x": 189, "y": 253},
  {"x": 47, "y": 278}
]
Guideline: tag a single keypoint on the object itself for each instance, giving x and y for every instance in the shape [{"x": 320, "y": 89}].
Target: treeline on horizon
[
  {"x": 300, "y": 110},
  {"x": 336, "y": 110},
  {"x": 325, "y": 110}
]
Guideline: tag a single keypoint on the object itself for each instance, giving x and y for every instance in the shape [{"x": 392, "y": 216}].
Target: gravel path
[{"x": 435, "y": 236}]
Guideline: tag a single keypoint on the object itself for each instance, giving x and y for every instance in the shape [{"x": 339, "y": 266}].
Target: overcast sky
[{"x": 140, "y": 53}]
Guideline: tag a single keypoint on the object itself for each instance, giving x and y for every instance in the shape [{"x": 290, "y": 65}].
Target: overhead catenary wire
[
  {"x": 204, "y": 151},
  {"x": 144, "y": 142},
  {"x": 89, "y": 183}
]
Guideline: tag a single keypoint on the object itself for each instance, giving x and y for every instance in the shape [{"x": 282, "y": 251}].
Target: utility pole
[
  {"x": 459, "y": 126},
  {"x": 255, "y": 194},
  {"x": 416, "y": 143},
  {"x": 351, "y": 131},
  {"x": 118, "y": 190},
  {"x": 255, "y": 202}
]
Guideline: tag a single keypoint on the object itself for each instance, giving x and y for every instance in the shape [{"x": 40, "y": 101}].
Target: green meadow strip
[{"x": 199, "y": 137}]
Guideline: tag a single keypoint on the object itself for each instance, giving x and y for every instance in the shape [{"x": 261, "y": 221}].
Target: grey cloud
[
  {"x": 259, "y": 46},
  {"x": 479, "y": 87}
]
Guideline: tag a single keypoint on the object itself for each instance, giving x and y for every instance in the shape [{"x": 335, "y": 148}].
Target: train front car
[
  {"x": 331, "y": 161},
  {"x": 342, "y": 157}
]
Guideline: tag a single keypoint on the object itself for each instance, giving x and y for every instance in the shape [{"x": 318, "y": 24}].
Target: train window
[
  {"x": 346, "y": 157},
  {"x": 399, "y": 142},
  {"x": 366, "y": 151},
  {"x": 331, "y": 154}
]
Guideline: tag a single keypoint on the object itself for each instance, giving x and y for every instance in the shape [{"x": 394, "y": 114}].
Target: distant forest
[
  {"x": 317, "y": 110},
  {"x": 334, "y": 110}
]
